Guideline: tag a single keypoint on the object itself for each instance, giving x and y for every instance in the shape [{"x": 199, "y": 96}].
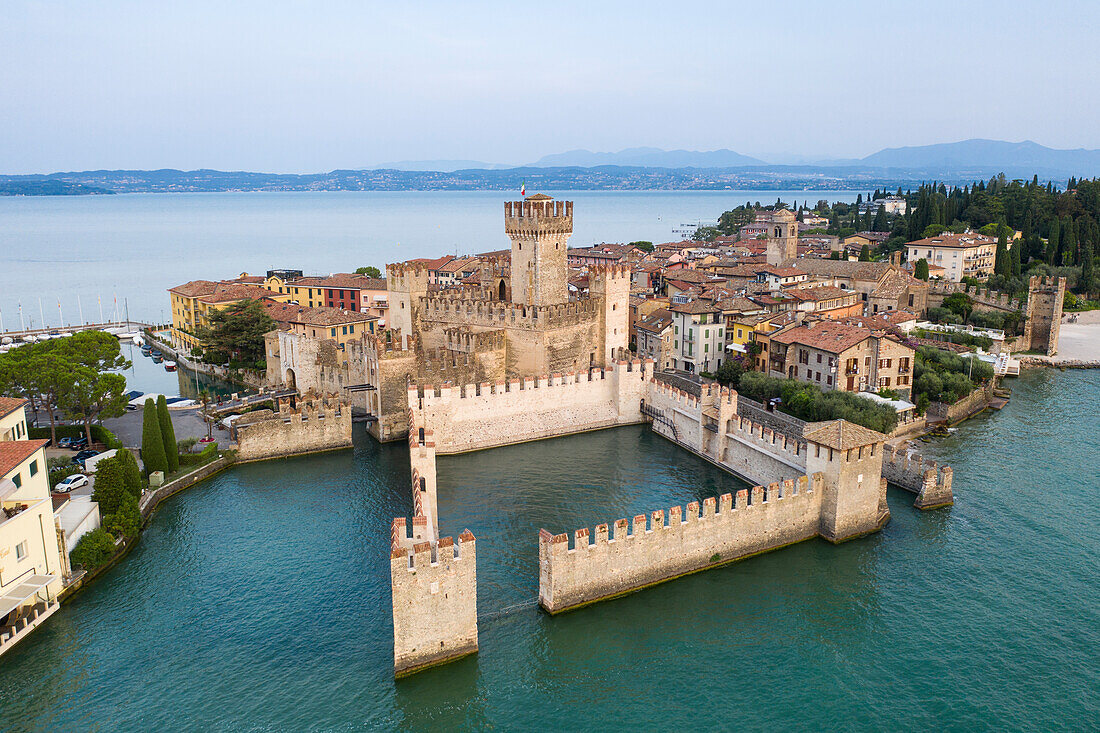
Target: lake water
[
  {"x": 127, "y": 250},
  {"x": 259, "y": 600}
]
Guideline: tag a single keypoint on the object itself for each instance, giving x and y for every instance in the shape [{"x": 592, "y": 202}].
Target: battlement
[
  {"x": 535, "y": 215},
  {"x": 462, "y": 339},
  {"x": 490, "y": 414},
  {"x": 931, "y": 482},
  {"x": 434, "y": 591},
  {"x": 447, "y": 307},
  {"x": 314, "y": 425},
  {"x": 402, "y": 270},
  {"x": 392, "y": 343},
  {"x": 1049, "y": 282},
  {"x": 611, "y": 272},
  {"x": 604, "y": 564},
  {"x": 986, "y": 296}
]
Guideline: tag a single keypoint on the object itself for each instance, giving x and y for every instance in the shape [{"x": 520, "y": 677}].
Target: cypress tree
[
  {"x": 1069, "y": 242},
  {"x": 131, "y": 474},
  {"x": 1000, "y": 261},
  {"x": 865, "y": 253},
  {"x": 168, "y": 434},
  {"x": 920, "y": 270},
  {"x": 1052, "y": 240},
  {"x": 152, "y": 442},
  {"x": 1087, "y": 273}
]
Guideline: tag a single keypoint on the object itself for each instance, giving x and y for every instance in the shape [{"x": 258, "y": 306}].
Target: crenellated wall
[
  {"x": 930, "y": 482},
  {"x": 317, "y": 425},
  {"x": 434, "y": 593},
  {"x": 488, "y": 415},
  {"x": 758, "y": 520}
]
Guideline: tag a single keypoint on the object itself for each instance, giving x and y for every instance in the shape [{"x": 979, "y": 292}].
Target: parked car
[
  {"x": 69, "y": 483},
  {"x": 64, "y": 442},
  {"x": 78, "y": 443},
  {"x": 80, "y": 457}
]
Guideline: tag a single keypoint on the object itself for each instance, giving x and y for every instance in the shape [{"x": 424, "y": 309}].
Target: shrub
[
  {"x": 93, "y": 549},
  {"x": 125, "y": 521},
  {"x": 168, "y": 435},
  {"x": 100, "y": 434},
  {"x": 152, "y": 442},
  {"x": 808, "y": 402},
  {"x": 185, "y": 445}
]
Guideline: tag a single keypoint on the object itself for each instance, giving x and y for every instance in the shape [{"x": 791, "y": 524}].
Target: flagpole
[
  {"x": 80, "y": 309},
  {"x": 41, "y": 313}
]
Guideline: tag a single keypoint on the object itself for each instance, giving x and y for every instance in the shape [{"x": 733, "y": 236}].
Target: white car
[{"x": 75, "y": 481}]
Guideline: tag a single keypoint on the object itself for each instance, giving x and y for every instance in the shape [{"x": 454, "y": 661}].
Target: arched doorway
[
  {"x": 502, "y": 292},
  {"x": 290, "y": 382}
]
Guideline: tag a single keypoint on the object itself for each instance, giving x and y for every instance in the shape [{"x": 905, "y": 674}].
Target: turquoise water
[
  {"x": 259, "y": 600},
  {"x": 82, "y": 251}
]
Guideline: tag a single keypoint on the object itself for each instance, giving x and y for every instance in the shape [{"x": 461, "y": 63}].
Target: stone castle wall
[
  {"x": 314, "y": 426},
  {"x": 926, "y": 478},
  {"x": 1046, "y": 296},
  {"x": 760, "y": 519},
  {"x": 488, "y": 415},
  {"x": 984, "y": 298},
  {"x": 434, "y": 594}
]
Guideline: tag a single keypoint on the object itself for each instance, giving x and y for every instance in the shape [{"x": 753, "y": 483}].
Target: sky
[{"x": 279, "y": 86}]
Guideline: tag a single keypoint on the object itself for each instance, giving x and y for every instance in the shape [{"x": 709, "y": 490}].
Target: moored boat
[{"x": 169, "y": 366}]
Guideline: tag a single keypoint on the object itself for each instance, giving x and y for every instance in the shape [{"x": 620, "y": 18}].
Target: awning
[
  {"x": 16, "y": 596},
  {"x": 733, "y": 346}
]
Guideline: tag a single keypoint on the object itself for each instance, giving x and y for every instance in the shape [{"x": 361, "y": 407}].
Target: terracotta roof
[
  {"x": 840, "y": 434},
  {"x": 696, "y": 306},
  {"x": 954, "y": 241},
  {"x": 232, "y": 293},
  {"x": 320, "y": 316},
  {"x": 194, "y": 288},
  {"x": 539, "y": 197},
  {"x": 820, "y": 292},
  {"x": 656, "y": 321},
  {"x": 842, "y": 268},
  {"x": 339, "y": 280},
  {"x": 785, "y": 271},
  {"x": 8, "y": 405},
  {"x": 831, "y": 336},
  {"x": 14, "y": 452},
  {"x": 737, "y": 305}
]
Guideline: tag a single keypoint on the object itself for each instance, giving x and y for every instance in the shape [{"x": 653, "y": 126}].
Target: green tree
[
  {"x": 35, "y": 372},
  {"x": 960, "y": 304},
  {"x": 369, "y": 271},
  {"x": 643, "y": 245},
  {"x": 920, "y": 270},
  {"x": 1069, "y": 243},
  {"x": 238, "y": 330},
  {"x": 1087, "y": 283},
  {"x": 880, "y": 224},
  {"x": 131, "y": 473},
  {"x": 110, "y": 485},
  {"x": 125, "y": 521},
  {"x": 97, "y": 390},
  {"x": 1053, "y": 241},
  {"x": 865, "y": 253},
  {"x": 168, "y": 435},
  {"x": 705, "y": 234},
  {"x": 152, "y": 441},
  {"x": 1000, "y": 260},
  {"x": 93, "y": 549}
]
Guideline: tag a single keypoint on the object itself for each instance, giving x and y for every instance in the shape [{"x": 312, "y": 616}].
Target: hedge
[{"x": 100, "y": 434}]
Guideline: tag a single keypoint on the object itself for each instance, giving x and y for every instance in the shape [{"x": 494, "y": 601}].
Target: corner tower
[
  {"x": 539, "y": 228},
  {"x": 1045, "y": 296},
  {"x": 782, "y": 237}
]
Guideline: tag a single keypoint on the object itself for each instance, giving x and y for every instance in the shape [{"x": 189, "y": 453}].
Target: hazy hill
[
  {"x": 648, "y": 158},
  {"x": 985, "y": 154},
  {"x": 445, "y": 166}
]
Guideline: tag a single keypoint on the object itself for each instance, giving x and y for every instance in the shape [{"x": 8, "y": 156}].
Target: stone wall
[
  {"x": 985, "y": 300},
  {"x": 1044, "y": 313},
  {"x": 930, "y": 482},
  {"x": 434, "y": 593},
  {"x": 315, "y": 426},
  {"x": 489, "y": 415},
  {"x": 973, "y": 403},
  {"x": 760, "y": 519}
]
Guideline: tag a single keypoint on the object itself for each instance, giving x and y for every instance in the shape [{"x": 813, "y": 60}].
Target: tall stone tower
[
  {"x": 611, "y": 284},
  {"x": 782, "y": 237},
  {"x": 849, "y": 457},
  {"x": 407, "y": 282},
  {"x": 1045, "y": 296},
  {"x": 539, "y": 228}
]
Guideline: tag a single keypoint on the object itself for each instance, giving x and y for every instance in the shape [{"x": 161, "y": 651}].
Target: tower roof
[
  {"x": 841, "y": 434},
  {"x": 539, "y": 197}
]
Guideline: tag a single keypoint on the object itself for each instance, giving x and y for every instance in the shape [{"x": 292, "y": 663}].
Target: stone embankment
[{"x": 315, "y": 425}]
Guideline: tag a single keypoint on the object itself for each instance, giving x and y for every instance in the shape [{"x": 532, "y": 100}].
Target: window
[
  {"x": 345, "y": 330},
  {"x": 719, "y": 333},
  {"x": 706, "y": 333},
  {"x": 34, "y": 467},
  {"x": 739, "y": 333},
  {"x": 21, "y": 550},
  {"x": 706, "y": 347},
  {"x": 333, "y": 330},
  {"x": 17, "y": 479},
  {"x": 819, "y": 358}
]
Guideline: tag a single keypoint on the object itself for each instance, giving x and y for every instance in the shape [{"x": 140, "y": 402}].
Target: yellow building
[
  {"x": 339, "y": 325},
  {"x": 32, "y": 567},
  {"x": 193, "y": 302}
]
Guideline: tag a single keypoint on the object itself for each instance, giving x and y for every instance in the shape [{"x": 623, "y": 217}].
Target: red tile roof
[
  {"x": 8, "y": 405},
  {"x": 14, "y": 452}
]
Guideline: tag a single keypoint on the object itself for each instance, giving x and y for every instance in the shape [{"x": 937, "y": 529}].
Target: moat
[{"x": 260, "y": 599}]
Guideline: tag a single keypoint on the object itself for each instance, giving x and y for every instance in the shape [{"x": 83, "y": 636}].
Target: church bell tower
[{"x": 782, "y": 237}]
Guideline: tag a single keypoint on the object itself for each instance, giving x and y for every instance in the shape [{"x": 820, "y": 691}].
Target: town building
[
  {"x": 960, "y": 255},
  {"x": 32, "y": 567},
  {"x": 839, "y": 356},
  {"x": 654, "y": 338},
  {"x": 698, "y": 336},
  {"x": 193, "y": 302}
]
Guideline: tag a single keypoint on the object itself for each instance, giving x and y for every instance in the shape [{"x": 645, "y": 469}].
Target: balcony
[
  {"x": 24, "y": 617},
  {"x": 851, "y": 370}
]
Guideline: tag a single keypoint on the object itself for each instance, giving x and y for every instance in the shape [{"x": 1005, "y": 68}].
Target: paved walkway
[{"x": 185, "y": 423}]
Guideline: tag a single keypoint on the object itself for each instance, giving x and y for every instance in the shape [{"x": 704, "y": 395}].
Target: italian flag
[{"x": 523, "y": 188}]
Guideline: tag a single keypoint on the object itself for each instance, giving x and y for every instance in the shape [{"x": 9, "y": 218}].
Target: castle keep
[{"x": 517, "y": 321}]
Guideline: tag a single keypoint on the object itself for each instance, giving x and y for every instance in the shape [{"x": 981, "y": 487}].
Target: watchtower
[
  {"x": 782, "y": 237},
  {"x": 849, "y": 457},
  {"x": 1045, "y": 296},
  {"x": 539, "y": 228}
]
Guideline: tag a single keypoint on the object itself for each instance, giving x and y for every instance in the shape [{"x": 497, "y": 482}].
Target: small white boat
[
  {"x": 29, "y": 339},
  {"x": 63, "y": 334},
  {"x": 127, "y": 336},
  {"x": 139, "y": 340},
  {"x": 169, "y": 366},
  {"x": 6, "y": 340}
]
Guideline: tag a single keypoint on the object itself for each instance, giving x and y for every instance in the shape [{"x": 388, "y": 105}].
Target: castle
[{"x": 517, "y": 321}]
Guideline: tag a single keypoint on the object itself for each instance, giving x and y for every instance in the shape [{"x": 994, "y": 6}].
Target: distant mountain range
[
  {"x": 648, "y": 158},
  {"x": 633, "y": 168}
]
